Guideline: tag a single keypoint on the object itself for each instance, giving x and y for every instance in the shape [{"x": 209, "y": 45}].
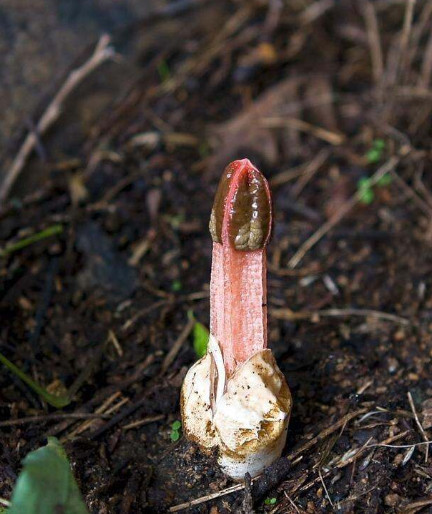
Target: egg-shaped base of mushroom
[{"x": 245, "y": 416}]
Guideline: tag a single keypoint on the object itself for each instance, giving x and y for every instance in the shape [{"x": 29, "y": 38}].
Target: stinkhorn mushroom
[{"x": 235, "y": 399}]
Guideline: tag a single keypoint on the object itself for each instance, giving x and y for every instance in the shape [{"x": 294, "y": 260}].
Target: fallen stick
[
  {"x": 339, "y": 215},
  {"x": 103, "y": 51}
]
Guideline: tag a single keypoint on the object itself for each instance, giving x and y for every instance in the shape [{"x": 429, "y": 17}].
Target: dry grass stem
[
  {"x": 103, "y": 51},
  {"x": 339, "y": 215}
]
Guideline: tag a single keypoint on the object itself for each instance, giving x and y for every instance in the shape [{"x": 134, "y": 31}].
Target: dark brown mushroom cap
[{"x": 242, "y": 210}]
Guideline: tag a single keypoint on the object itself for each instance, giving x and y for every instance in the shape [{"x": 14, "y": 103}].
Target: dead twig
[
  {"x": 374, "y": 39},
  {"x": 325, "y": 488},
  {"x": 414, "y": 445},
  {"x": 415, "y": 506},
  {"x": 326, "y": 432},
  {"x": 107, "y": 408},
  {"x": 207, "y": 498},
  {"x": 315, "y": 10},
  {"x": 171, "y": 355},
  {"x": 287, "y": 175},
  {"x": 287, "y": 314},
  {"x": 342, "y": 463},
  {"x": 145, "y": 421},
  {"x": 334, "y": 138},
  {"x": 309, "y": 171},
  {"x": 247, "y": 504},
  {"x": 406, "y": 32},
  {"x": 420, "y": 426},
  {"x": 103, "y": 51},
  {"x": 426, "y": 67},
  {"x": 51, "y": 417},
  {"x": 294, "y": 506},
  {"x": 423, "y": 205},
  {"x": 339, "y": 214},
  {"x": 192, "y": 297}
]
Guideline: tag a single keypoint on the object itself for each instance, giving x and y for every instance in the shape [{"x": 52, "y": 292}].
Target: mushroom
[{"x": 235, "y": 399}]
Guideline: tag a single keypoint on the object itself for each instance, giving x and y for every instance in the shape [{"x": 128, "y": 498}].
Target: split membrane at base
[{"x": 245, "y": 416}]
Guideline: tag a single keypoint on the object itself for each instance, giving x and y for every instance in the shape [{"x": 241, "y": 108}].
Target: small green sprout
[
  {"x": 374, "y": 154},
  {"x": 365, "y": 190},
  {"x": 365, "y": 187},
  {"x": 175, "y": 431},
  {"x": 34, "y": 238},
  {"x": 270, "y": 501},
  {"x": 176, "y": 286},
  {"x": 56, "y": 401},
  {"x": 163, "y": 70},
  {"x": 175, "y": 220}
]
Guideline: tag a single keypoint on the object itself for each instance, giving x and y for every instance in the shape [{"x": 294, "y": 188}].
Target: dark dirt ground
[{"x": 129, "y": 170}]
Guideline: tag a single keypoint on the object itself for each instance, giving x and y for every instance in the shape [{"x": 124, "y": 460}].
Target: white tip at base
[
  {"x": 236, "y": 467},
  {"x": 245, "y": 416}
]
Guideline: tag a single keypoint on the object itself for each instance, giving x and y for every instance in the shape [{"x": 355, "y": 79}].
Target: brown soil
[{"x": 131, "y": 179}]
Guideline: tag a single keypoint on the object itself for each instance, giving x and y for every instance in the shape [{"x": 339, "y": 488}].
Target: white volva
[{"x": 244, "y": 417}]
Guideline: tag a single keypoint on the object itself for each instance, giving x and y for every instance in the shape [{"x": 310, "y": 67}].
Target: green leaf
[
  {"x": 367, "y": 196},
  {"x": 176, "y": 425},
  {"x": 364, "y": 183},
  {"x": 56, "y": 401},
  {"x": 175, "y": 436},
  {"x": 46, "y": 484},
  {"x": 176, "y": 285},
  {"x": 163, "y": 70},
  {"x": 27, "y": 241},
  {"x": 378, "y": 144},
  {"x": 270, "y": 501},
  {"x": 365, "y": 191},
  {"x": 374, "y": 155}
]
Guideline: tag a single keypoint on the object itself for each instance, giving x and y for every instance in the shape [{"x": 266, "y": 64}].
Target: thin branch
[
  {"x": 144, "y": 421},
  {"x": 315, "y": 10},
  {"x": 309, "y": 171},
  {"x": 415, "y": 506},
  {"x": 422, "y": 204},
  {"x": 400, "y": 445},
  {"x": 207, "y": 497},
  {"x": 291, "y": 502},
  {"x": 426, "y": 67},
  {"x": 406, "y": 32},
  {"x": 374, "y": 41},
  {"x": 171, "y": 355},
  {"x": 103, "y": 51},
  {"x": 51, "y": 417},
  {"x": 287, "y": 314},
  {"x": 325, "y": 488},
  {"x": 339, "y": 215},
  {"x": 420, "y": 427},
  {"x": 332, "y": 137}
]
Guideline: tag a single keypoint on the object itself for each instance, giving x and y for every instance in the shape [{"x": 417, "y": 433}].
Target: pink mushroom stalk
[
  {"x": 240, "y": 226},
  {"x": 235, "y": 399}
]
